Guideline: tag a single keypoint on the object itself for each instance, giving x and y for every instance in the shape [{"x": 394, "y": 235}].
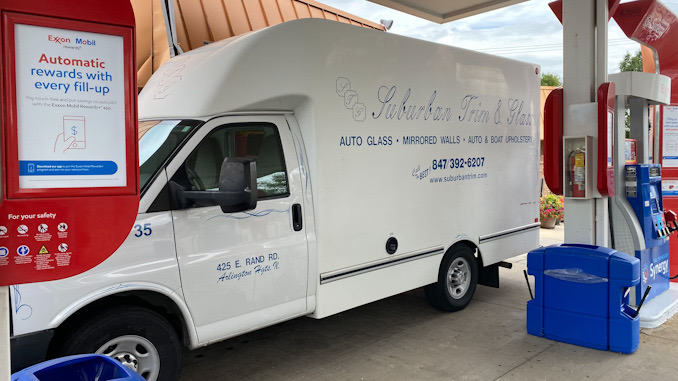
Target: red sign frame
[
  {"x": 553, "y": 141},
  {"x": 53, "y": 233},
  {"x": 606, "y": 105},
  {"x": 11, "y": 162}
]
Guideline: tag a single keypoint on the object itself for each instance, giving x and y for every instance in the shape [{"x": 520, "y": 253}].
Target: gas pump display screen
[{"x": 70, "y": 108}]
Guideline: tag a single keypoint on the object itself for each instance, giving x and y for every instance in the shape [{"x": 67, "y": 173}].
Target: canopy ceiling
[{"x": 442, "y": 11}]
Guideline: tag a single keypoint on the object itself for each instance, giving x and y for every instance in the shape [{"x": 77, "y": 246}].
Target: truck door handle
[{"x": 296, "y": 217}]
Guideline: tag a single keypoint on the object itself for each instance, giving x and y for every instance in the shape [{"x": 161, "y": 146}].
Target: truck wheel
[
  {"x": 457, "y": 279},
  {"x": 137, "y": 337}
]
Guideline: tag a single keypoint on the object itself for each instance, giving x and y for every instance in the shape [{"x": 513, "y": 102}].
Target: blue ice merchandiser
[
  {"x": 79, "y": 367},
  {"x": 581, "y": 296},
  {"x": 644, "y": 194}
]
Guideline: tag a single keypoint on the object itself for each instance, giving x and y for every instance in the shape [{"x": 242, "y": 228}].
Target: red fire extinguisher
[{"x": 578, "y": 172}]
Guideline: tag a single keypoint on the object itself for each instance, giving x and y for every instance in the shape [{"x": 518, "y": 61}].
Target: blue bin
[
  {"x": 78, "y": 368},
  {"x": 581, "y": 296}
]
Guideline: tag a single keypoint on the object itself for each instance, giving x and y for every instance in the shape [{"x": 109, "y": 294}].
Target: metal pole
[
  {"x": 584, "y": 69},
  {"x": 602, "y": 18},
  {"x": 5, "y": 360},
  {"x": 602, "y": 208},
  {"x": 579, "y": 76}
]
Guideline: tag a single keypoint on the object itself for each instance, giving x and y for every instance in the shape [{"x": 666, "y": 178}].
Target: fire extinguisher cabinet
[
  {"x": 581, "y": 296},
  {"x": 578, "y": 166}
]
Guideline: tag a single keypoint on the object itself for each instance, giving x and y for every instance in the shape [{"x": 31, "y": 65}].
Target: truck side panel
[
  {"x": 146, "y": 261},
  {"x": 406, "y": 140}
]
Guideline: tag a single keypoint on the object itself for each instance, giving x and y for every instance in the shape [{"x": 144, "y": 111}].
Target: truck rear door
[{"x": 242, "y": 270}]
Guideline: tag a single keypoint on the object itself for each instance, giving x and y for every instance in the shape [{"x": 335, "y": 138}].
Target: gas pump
[
  {"x": 638, "y": 222},
  {"x": 654, "y": 25},
  {"x": 644, "y": 194}
]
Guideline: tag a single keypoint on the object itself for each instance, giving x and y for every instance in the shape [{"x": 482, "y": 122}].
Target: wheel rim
[
  {"x": 458, "y": 278},
  {"x": 134, "y": 352}
]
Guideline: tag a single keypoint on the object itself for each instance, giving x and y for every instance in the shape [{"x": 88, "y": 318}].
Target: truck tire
[
  {"x": 137, "y": 337},
  {"x": 457, "y": 279}
]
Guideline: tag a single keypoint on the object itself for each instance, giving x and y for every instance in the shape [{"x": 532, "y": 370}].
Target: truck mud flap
[{"x": 489, "y": 275}]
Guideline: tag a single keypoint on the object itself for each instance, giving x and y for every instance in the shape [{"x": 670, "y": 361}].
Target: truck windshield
[{"x": 158, "y": 140}]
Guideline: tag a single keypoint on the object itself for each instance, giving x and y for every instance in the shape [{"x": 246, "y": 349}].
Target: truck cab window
[
  {"x": 159, "y": 140},
  {"x": 258, "y": 141}
]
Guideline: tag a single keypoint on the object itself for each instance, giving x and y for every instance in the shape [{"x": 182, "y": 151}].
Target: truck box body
[
  {"x": 396, "y": 151},
  {"x": 370, "y": 165}
]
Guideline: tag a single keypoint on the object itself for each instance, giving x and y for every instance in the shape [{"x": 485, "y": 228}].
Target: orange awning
[{"x": 202, "y": 21}]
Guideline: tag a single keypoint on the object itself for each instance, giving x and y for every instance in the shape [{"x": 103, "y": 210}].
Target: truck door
[{"x": 242, "y": 270}]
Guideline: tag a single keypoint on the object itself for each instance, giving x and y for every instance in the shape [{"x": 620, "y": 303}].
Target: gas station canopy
[{"x": 443, "y": 11}]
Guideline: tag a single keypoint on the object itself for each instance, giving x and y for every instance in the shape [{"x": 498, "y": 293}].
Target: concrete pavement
[{"x": 403, "y": 338}]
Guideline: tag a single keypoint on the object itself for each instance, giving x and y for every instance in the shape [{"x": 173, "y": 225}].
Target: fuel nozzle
[{"x": 671, "y": 220}]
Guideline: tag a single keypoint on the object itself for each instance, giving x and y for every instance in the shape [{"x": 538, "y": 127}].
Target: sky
[{"x": 528, "y": 31}]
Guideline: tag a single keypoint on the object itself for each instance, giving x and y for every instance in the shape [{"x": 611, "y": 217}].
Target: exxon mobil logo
[
  {"x": 58, "y": 40},
  {"x": 646, "y": 273},
  {"x": 65, "y": 40}
]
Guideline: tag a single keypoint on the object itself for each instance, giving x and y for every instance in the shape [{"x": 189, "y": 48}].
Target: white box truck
[{"x": 303, "y": 170}]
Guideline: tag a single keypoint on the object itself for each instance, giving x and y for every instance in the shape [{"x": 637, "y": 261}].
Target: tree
[
  {"x": 631, "y": 62},
  {"x": 550, "y": 79}
]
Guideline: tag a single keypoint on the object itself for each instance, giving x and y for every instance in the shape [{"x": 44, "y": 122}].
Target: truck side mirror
[{"x": 238, "y": 177}]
